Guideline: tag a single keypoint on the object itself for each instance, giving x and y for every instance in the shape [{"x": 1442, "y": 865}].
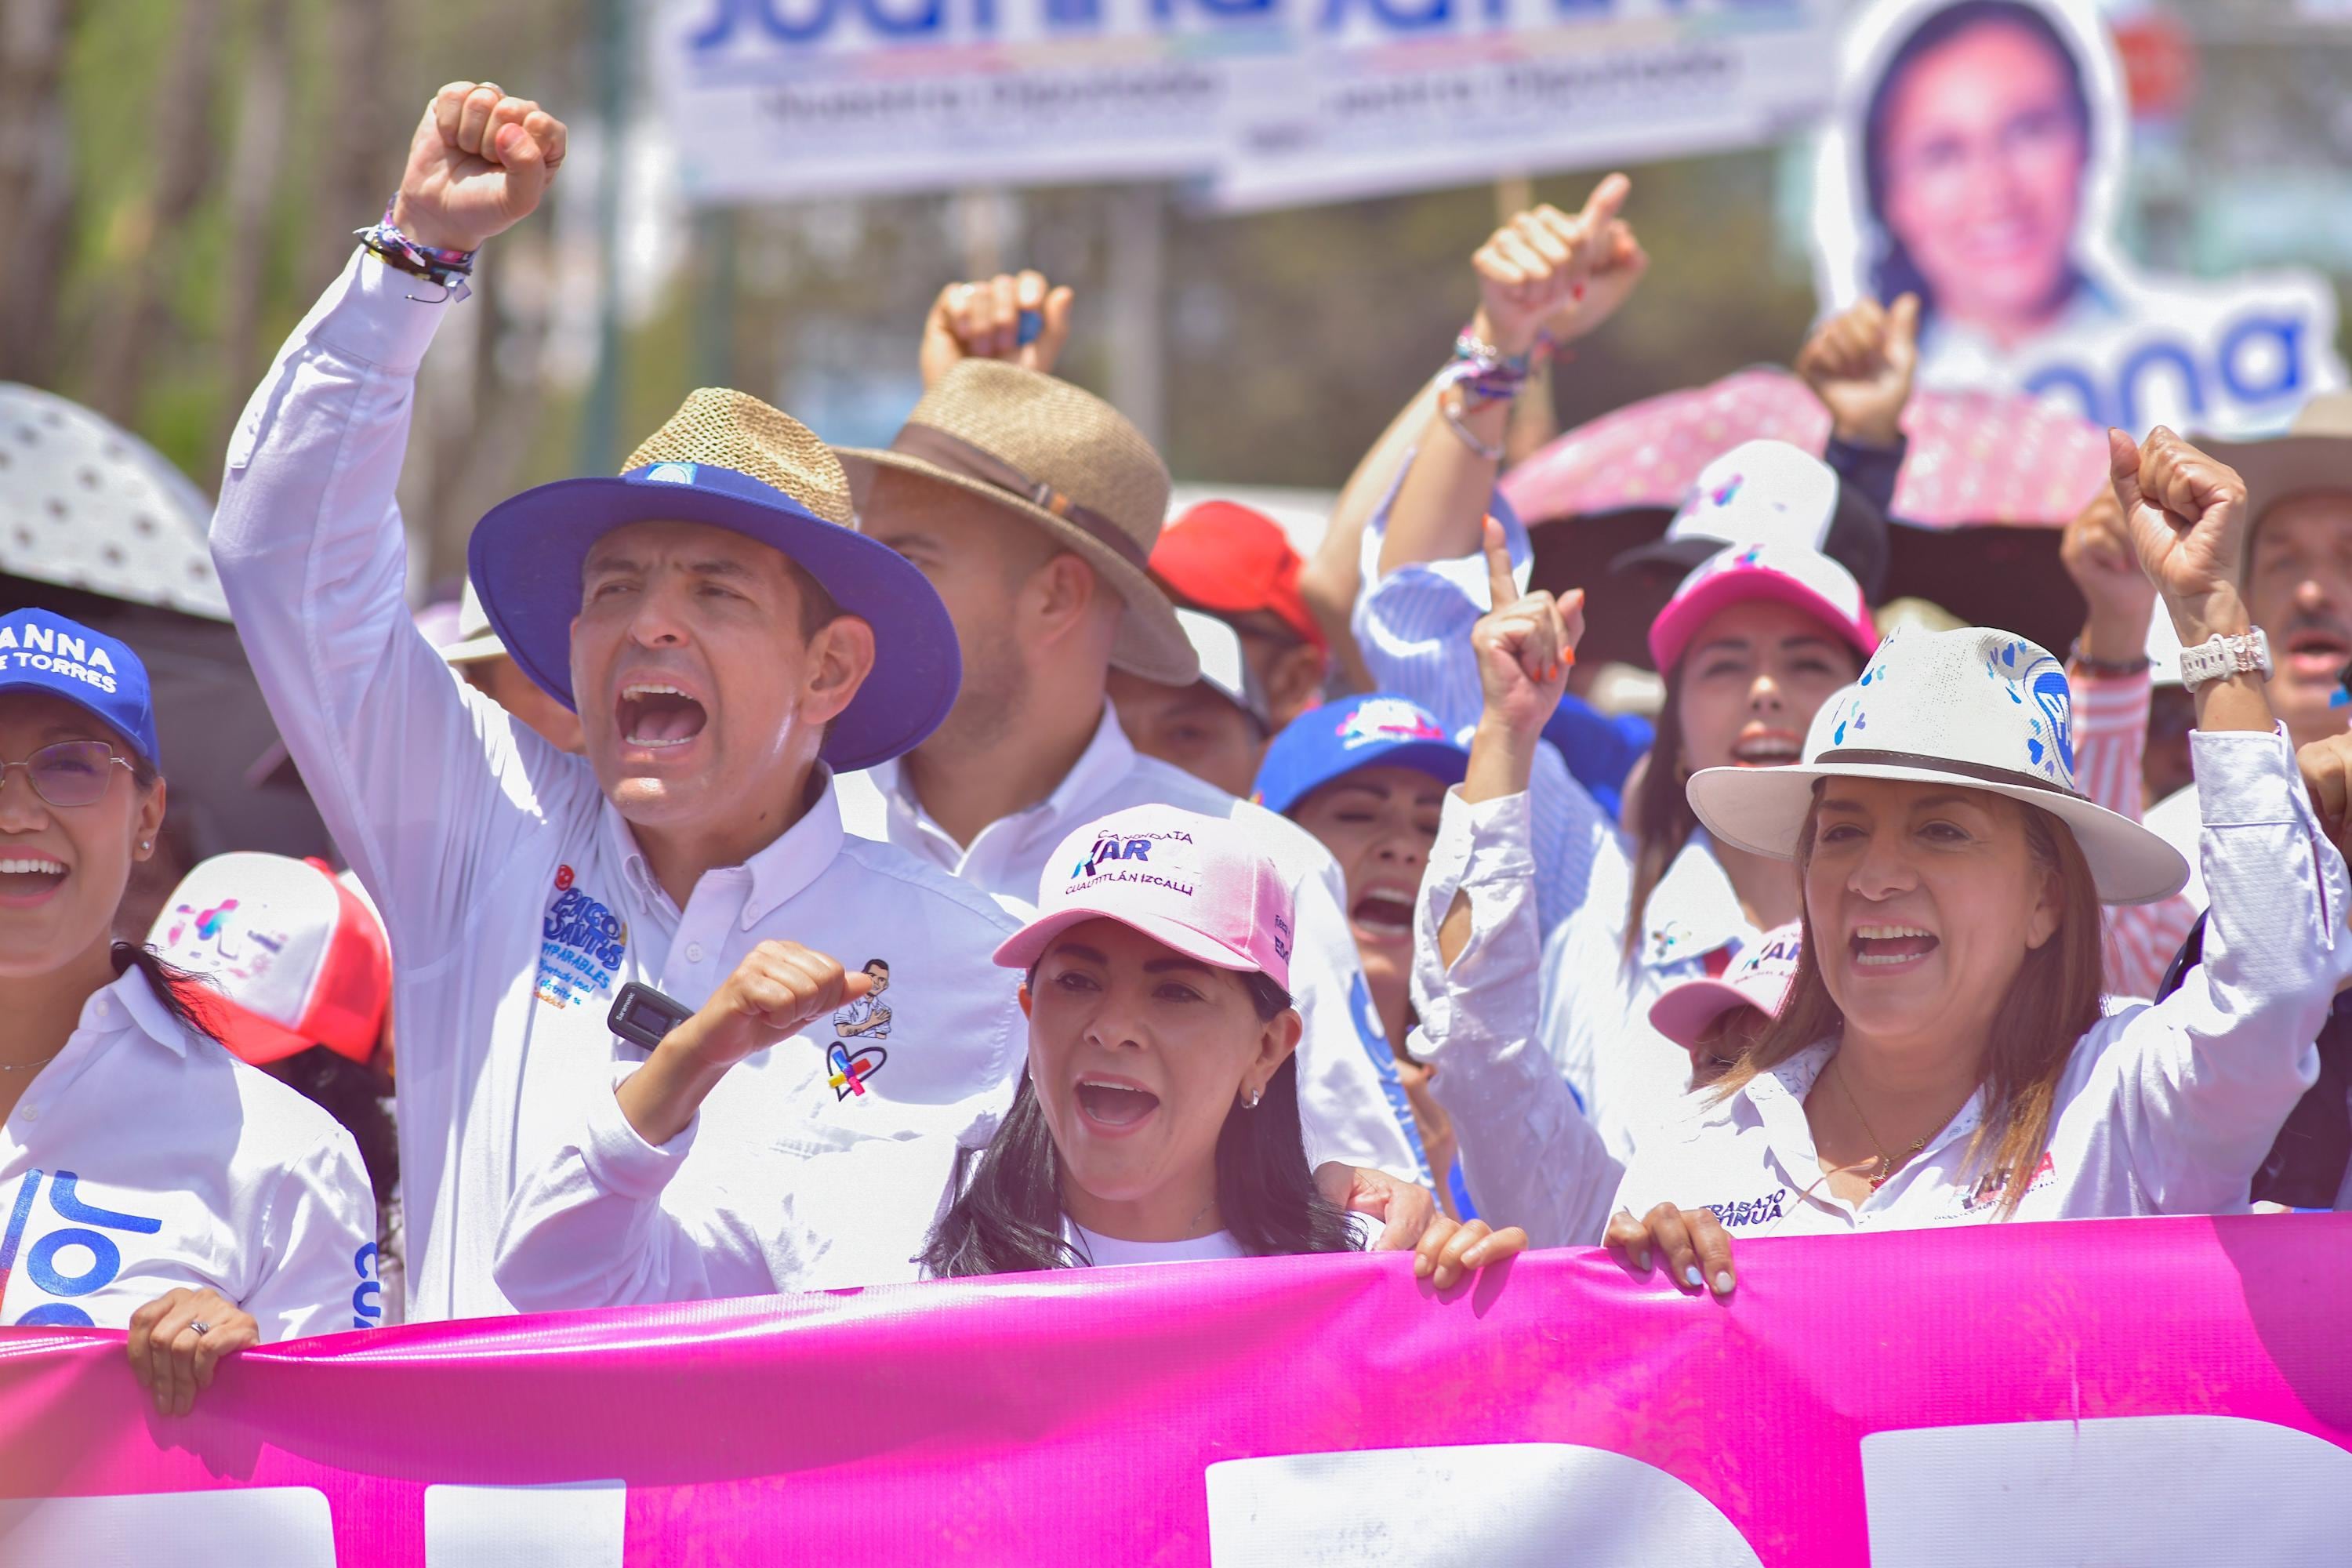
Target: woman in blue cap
[
  {"x": 1367, "y": 775},
  {"x": 149, "y": 1180}
]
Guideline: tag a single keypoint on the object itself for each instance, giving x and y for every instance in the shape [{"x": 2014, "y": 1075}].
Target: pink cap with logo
[
  {"x": 1757, "y": 978},
  {"x": 1786, "y": 573},
  {"x": 1199, "y": 884}
]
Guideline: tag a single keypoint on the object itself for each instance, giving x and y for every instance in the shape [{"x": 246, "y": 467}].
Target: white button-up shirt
[
  {"x": 1352, "y": 1104},
  {"x": 140, "y": 1160},
  {"x": 517, "y": 900},
  {"x": 614, "y": 1221},
  {"x": 2167, "y": 1108}
]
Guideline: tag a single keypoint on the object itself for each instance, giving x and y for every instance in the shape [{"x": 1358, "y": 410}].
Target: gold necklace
[
  {"x": 30, "y": 1067},
  {"x": 1886, "y": 1162}
]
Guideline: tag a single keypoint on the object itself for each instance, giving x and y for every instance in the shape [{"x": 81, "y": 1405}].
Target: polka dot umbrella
[
  {"x": 96, "y": 524},
  {"x": 1990, "y": 479}
]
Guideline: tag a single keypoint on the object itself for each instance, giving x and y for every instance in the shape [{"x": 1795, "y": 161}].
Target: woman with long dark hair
[
  {"x": 1156, "y": 1118},
  {"x": 1944, "y": 1056},
  {"x": 1159, "y": 1117},
  {"x": 149, "y": 1180}
]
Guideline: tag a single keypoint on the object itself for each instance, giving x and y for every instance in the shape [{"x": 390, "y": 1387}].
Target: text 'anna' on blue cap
[
  {"x": 1377, "y": 730},
  {"x": 43, "y": 651}
]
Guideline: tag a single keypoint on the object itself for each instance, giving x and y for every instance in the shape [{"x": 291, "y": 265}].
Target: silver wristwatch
[{"x": 2218, "y": 657}]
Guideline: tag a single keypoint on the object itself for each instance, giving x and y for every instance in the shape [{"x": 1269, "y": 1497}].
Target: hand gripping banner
[{"x": 2162, "y": 1393}]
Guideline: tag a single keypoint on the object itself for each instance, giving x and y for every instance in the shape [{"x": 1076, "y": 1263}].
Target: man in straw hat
[
  {"x": 728, "y": 640},
  {"x": 1032, "y": 508}
]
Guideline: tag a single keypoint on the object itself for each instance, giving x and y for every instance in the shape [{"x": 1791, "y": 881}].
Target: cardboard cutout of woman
[{"x": 1975, "y": 159}]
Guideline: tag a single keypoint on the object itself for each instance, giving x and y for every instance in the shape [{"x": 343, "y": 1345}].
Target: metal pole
[
  {"x": 1139, "y": 268},
  {"x": 714, "y": 355},
  {"x": 600, "y": 424}
]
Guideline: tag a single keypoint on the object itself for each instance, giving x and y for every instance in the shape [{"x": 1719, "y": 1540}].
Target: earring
[
  {"x": 1255, "y": 1096},
  {"x": 146, "y": 844}
]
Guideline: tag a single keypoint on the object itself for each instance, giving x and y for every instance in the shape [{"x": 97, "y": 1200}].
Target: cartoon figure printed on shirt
[
  {"x": 868, "y": 1018},
  {"x": 1385, "y": 719},
  {"x": 868, "y": 1015}
]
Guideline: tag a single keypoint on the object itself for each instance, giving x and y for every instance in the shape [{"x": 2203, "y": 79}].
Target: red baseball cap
[
  {"x": 1226, "y": 557},
  {"x": 296, "y": 959}
]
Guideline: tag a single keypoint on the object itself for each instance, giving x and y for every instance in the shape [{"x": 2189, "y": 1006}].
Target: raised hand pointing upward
[{"x": 478, "y": 164}]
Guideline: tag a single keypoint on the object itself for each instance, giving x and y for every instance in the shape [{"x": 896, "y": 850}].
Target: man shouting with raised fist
[
  {"x": 600, "y": 960},
  {"x": 729, "y": 639}
]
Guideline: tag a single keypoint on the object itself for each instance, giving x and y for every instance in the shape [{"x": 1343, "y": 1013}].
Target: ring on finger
[{"x": 200, "y": 1328}]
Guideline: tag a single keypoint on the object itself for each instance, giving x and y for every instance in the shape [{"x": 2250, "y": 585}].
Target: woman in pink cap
[
  {"x": 1158, "y": 1118},
  {"x": 1752, "y": 645}
]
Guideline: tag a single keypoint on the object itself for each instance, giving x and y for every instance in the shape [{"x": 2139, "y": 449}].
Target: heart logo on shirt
[{"x": 852, "y": 1069}]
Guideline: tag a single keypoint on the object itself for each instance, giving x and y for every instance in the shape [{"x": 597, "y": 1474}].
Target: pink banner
[{"x": 2153, "y": 1391}]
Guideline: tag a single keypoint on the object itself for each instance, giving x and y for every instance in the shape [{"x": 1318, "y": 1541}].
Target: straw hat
[
  {"x": 473, "y": 641},
  {"x": 1975, "y": 707},
  {"x": 728, "y": 460},
  {"x": 2315, "y": 455},
  {"x": 1066, "y": 461}
]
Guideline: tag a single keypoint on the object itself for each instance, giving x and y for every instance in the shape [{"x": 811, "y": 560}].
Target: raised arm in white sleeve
[
  {"x": 321, "y": 1222},
  {"x": 1413, "y": 627},
  {"x": 423, "y": 784},
  {"x": 2201, "y": 1082},
  {"x": 1528, "y": 1156}
]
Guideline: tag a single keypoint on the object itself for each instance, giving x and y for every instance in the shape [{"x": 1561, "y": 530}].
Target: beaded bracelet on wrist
[{"x": 448, "y": 269}]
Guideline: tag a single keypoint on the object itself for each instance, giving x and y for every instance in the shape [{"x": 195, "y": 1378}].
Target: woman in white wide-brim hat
[{"x": 1944, "y": 1056}]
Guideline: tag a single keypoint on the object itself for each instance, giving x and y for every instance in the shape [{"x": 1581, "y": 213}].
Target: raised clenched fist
[
  {"x": 779, "y": 988},
  {"x": 478, "y": 164},
  {"x": 1013, "y": 317},
  {"x": 1860, "y": 363},
  {"x": 2097, "y": 551},
  {"x": 2186, "y": 512}
]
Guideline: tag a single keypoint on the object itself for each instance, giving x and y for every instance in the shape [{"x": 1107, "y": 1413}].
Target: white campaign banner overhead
[
  {"x": 1284, "y": 101},
  {"x": 773, "y": 98},
  {"x": 1393, "y": 95}
]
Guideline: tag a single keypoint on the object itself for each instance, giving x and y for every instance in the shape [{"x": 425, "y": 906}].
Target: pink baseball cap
[
  {"x": 1788, "y": 573},
  {"x": 296, "y": 959},
  {"x": 1757, "y": 978},
  {"x": 1199, "y": 884}
]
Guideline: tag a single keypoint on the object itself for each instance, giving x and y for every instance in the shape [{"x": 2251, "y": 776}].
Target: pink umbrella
[{"x": 1976, "y": 457}]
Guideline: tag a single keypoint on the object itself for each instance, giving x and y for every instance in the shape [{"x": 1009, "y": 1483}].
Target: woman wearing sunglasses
[{"x": 148, "y": 1180}]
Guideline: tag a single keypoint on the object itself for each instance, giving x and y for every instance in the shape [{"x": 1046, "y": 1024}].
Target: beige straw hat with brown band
[{"x": 1066, "y": 461}]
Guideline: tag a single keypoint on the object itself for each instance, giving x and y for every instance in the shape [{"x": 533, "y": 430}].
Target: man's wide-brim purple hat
[{"x": 729, "y": 460}]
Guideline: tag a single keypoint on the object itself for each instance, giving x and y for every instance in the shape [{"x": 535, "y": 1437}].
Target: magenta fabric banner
[{"x": 2151, "y": 1391}]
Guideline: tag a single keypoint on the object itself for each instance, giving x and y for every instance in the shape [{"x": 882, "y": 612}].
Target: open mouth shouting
[
  {"x": 29, "y": 877},
  {"x": 1113, "y": 1107},
  {"x": 2316, "y": 652},
  {"x": 1761, "y": 748},
  {"x": 1891, "y": 948},
  {"x": 654, "y": 716},
  {"x": 1382, "y": 914}
]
